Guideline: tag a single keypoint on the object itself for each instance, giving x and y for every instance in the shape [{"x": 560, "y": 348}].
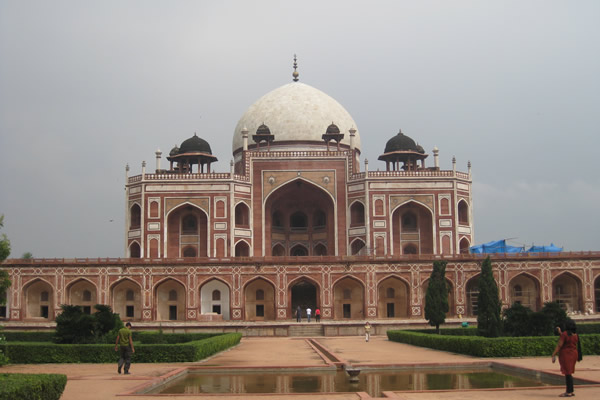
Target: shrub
[
  {"x": 3, "y": 358},
  {"x": 32, "y": 386},
  {"x": 436, "y": 297},
  {"x": 479, "y": 346},
  {"x": 156, "y": 337},
  {"x": 521, "y": 321},
  {"x": 29, "y": 336},
  {"x": 75, "y": 326},
  {"x": 40, "y": 353}
]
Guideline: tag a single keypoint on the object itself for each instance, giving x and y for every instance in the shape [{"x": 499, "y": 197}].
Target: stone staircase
[{"x": 306, "y": 330}]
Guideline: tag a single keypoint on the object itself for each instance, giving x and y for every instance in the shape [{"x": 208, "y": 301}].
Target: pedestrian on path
[
  {"x": 318, "y": 315},
  {"x": 126, "y": 342},
  {"x": 367, "y": 331},
  {"x": 298, "y": 314},
  {"x": 308, "y": 311},
  {"x": 568, "y": 354}
]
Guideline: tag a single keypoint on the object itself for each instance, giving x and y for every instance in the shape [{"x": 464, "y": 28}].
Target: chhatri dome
[{"x": 297, "y": 116}]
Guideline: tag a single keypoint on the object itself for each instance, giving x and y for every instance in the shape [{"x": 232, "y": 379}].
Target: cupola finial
[{"x": 295, "y": 74}]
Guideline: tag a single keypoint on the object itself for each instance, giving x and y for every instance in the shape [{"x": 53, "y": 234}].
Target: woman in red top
[
  {"x": 567, "y": 355},
  {"x": 318, "y": 314}
]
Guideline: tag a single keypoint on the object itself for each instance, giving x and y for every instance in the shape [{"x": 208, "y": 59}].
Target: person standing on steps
[
  {"x": 308, "y": 311},
  {"x": 318, "y": 315},
  {"x": 126, "y": 342},
  {"x": 298, "y": 314}
]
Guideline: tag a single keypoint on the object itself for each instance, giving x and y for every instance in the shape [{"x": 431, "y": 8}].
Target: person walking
[
  {"x": 308, "y": 311},
  {"x": 568, "y": 355},
  {"x": 367, "y": 331},
  {"x": 298, "y": 314},
  {"x": 126, "y": 343},
  {"x": 318, "y": 315}
]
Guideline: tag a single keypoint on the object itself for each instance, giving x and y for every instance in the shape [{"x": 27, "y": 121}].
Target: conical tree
[
  {"x": 436, "y": 298},
  {"x": 489, "y": 320}
]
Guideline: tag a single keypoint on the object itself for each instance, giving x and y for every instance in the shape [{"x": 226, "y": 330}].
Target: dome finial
[{"x": 295, "y": 74}]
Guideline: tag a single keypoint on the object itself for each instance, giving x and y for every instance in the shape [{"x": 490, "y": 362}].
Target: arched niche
[
  {"x": 259, "y": 299},
  {"x": 127, "y": 300},
  {"x": 242, "y": 216},
  {"x": 303, "y": 292},
  {"x": 187, "y": 232},
  {"x": 464, "y": 246},
  {"x": 242, "y": 249},
  {"x": 39, "y": 300},
  {"x": 463, "y": 213},
  {"x": 135, "y": 250},
  {"x": 83, "y": 293},
  {"x": 393, "y": 298},
  {"x": 412, "y": 226},
  {"x": 357, "y": 247},
  {"x": 214, "y": 298},
  {"x": 566, "y": 290},
  {"x": 170, "y": 301},
  {"x": 525, "y": 290},
  {"x": 472, "y": 293},
  {"x": 135, "y": 216},
  {"x": 348, "y": 299},
  {"x": 357, "y": 214}
]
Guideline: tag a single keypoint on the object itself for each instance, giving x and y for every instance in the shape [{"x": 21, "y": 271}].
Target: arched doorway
[
  {"x": 525, "y": 290},
  {"x": 187, "y": 232},
  {"x": 393, "y": 300},
  {"x": 298, "y": 217},
  {"x": 259, "y": 296},
  {"x": 566, "y": 290},
  {"x": 464, "y": 246},
  {"x": 214, "y": 298},
  {"x": 412, "y": 228},
  {"x": 127, "y": 300},
  {"x": 348, "y": 299},
  {"x": 242, "y": 249},
  {"x": 303, "y": 293}
]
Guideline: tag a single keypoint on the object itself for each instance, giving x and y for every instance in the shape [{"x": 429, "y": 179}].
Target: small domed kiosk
[
  {"x": 403, "y": 149},
  {"x": 192, "y": 151}
]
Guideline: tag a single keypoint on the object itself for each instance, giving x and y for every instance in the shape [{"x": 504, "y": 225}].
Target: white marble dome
[{"x": 296, "y": 112}]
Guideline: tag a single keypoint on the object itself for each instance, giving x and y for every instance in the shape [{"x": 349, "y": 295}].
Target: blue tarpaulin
[
  {"x": 545, "y": 249},
  {"x": 500, "y": 246}
]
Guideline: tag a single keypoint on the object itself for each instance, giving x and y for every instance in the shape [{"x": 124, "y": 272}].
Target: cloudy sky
[{"x": 87, "y": 87}]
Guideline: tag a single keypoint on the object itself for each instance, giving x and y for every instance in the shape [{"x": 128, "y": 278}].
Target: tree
[
  {"x": 489, "y": 307},
  {"x": 4, "y": 252},
  {"x": 436, "y": 299},
  {"x": 27, "y": 255}
]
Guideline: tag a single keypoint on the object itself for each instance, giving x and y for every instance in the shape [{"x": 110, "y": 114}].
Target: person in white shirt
[{"x": 308, "y": 311}]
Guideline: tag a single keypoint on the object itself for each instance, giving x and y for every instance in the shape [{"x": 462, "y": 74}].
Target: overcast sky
[{"x": 87, "y": 87}]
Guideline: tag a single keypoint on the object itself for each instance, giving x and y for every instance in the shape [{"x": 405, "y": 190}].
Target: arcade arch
[
  {"x": 170, "y": 300},
  {"x": 348, "y": 299},
  {"x": 242, "y": 216},
  {"x": 412, "y": 229},
  {"x": 357, "y": 214},
  {"x": 464, "y": 246},
  {"x": 472, "y": 292},
  {"x": 127, "y": 299},
  {"x": 463, "y": 213},
  {"x": 393, "y": 299},
  {"x": 135, "y": 217},
  {"x": 134, "y": 250},
  {"x": 259, "y": 296},
  {"x": 214, "y": 298},
  {"x": 242, "y": 249},
  {"x": 597, "y": 293},
  {"x": 304, "y": 293}
]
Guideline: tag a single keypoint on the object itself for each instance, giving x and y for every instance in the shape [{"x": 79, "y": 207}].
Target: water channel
[{"x": 328, "y": 381}]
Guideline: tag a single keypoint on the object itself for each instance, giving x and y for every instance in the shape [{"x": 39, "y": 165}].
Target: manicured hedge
[
  {"x": 156, "y": 337},
  {"x": 28, "y": 336},
  {"x": 491, "y": 347},
  {"x": 588, "y": 328},
  {"x": 40, "y": 353},
  {"x": 471, "y": 331},
  {"x": 32, "y": 386}
]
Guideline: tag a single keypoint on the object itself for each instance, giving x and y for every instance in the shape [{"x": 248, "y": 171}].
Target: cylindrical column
[
  {"x": 158, "y": 154},
  {"x": 436, "y": 160}
]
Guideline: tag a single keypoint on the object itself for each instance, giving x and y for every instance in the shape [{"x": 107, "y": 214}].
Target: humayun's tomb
[{"x": 296, "y": 219}]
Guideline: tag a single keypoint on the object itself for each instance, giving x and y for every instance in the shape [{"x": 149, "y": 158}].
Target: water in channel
[{"x": 370, "y": 381}]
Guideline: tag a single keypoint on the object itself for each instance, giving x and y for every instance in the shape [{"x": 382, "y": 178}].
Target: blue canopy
[
  {"x": 497, "y": 246},
  {"x": 545, "y": 249}
]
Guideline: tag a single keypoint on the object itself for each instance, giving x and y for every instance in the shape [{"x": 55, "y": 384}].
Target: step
[{"x": 306, "y": 330}]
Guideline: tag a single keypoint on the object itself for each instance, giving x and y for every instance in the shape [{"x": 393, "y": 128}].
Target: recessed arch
[
  {"x": 320, "y": 250},
  {"x": 348, "y": 307},
  {"x": 472, "y": 294},
  {"x": 299, "y": 250},
  {"x": 84, "y": 293},
  {"x": 464, "y": 245},
  {"x": 128, "y": 306},
  {"x": 393, "y": 298},
  {"x": 357, "y": 247},
  {"x": 567, "y": 291},
  {"x": 524, "y": 289},
  {"x": 463, "y": 212},
  {"x": 135, "y": 250},
  {"x": 186, "y": 228},
  {"x": 412, "y": 223},
  {"x": 38, "y": 296},
  {"x": 242, "y": 249},
  {"x": 167, "y": 307},
  {"x": 135, "y": 216},
  {"x": 278, "y": 250},
  {"x": 357, "y": 213},
  {"x": 259, "y": 309},
  {"x": 242, "y": 215},
  {"x": 212, "y": 304},
  {"x": 303, "y": 292}
]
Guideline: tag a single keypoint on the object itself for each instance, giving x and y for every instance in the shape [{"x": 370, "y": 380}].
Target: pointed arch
[
  {"x": 524, "y": 289},
  {"x": 567, "y": 291},
  {"x": 357, "y": 247},
  {"x": 126, "y": 299},
  {"x": 472, "y": 294},
  {"x": 303, "y": 292},
  {"x": 348, "y": 298},
  {"x": 299, "y": 250},
  {"x": 357, "y": 213},
  {"x": 78, "y": 291},
  {"x": 186, "y": 227},
  {"x": 212, "y": 304},
  {"x": 135, "y": 216},
  {"x": 38, "y": 296},
  {"x": 242, "y": 215},
  {"x": 463, "y": 212},
  {"x": 135, "y": 250},
  {"x": 259, "y": 308},
  {"x": 412, "y": 222},
  {"x": 242, "y": 248},
  {"x": 464, "y": 246},
  {"x": 168, "y": 308},
  {"x": 393, "y": 298}
]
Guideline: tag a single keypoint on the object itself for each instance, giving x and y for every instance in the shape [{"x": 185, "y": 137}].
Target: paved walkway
[{"x": 100, "y": 381}]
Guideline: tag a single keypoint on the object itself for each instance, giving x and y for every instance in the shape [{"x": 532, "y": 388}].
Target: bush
[
  {"x": 522, "y": 321},
  {"x": 41, "y": 353},
  {"x": 588, "y": 328},
  {"x": 492, "y": 347},
  {"x": 158, "y": 337},
  {"x": 75, "y": 326},
  {"x": 29, "y": 336},
  {"x": 32, "y": 386},
  {"x": 470, "y": 331}
]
